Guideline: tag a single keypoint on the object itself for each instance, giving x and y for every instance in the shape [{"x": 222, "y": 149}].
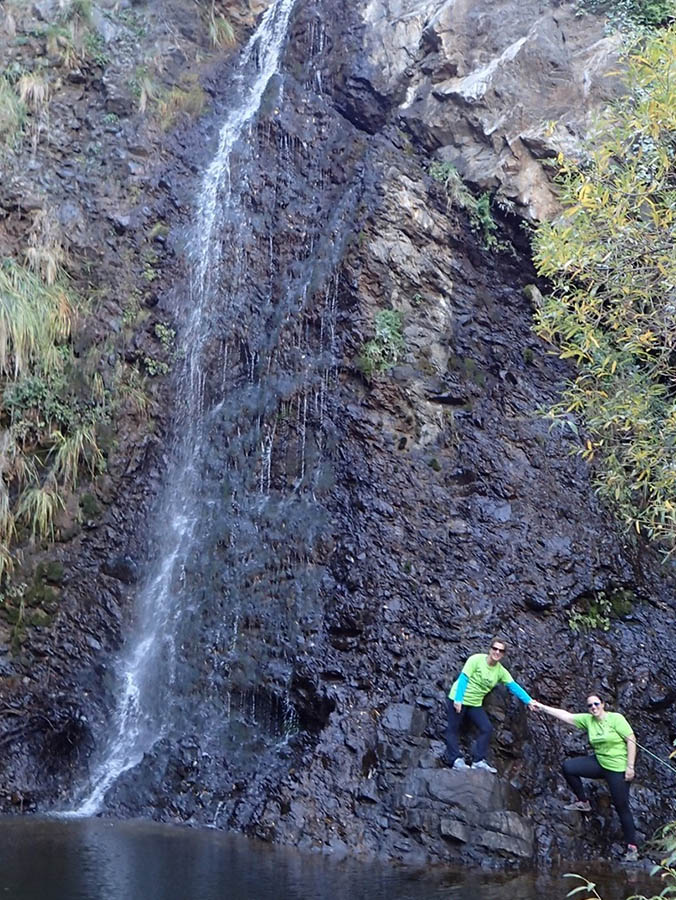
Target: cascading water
[{"x": 234, "y": 583}]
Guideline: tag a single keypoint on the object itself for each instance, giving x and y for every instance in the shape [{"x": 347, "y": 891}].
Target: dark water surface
[{"x": 99, "y": 859}]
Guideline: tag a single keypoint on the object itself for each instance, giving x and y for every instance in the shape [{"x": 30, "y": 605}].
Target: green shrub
[
  {"x": 166, "y": 335},
  {"x": 155, "y": 367},
  {"x": 483, "y": 221},
  {"x": 95, "y": 46},
  {"x": 623, "y": 13},
  {"x": 385, "y": 350},
  {"x": 612, "y": 310},
  {"x": 89, "y": 506},
  {"x": 593, "y": 613},
  {"x": 477, "y": 208}
]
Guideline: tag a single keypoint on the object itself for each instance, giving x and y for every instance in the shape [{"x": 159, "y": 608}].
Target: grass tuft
[
  {"x": 45, "y": 253},
  {"x": 12, "y": 114},
  {"x": 74, "y": 450},
  {"x": 33, "y": 90},
  {"x": 221, "y": 30},
  {"x": 179, "y": 102},
  {"x": 63, "y": 42},
  {"x": 34, "y": 316},
  {"x": 38, "y": 506}
]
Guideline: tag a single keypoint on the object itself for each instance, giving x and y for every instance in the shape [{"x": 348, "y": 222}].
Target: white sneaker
[
  {"x": 460, "y": 764},
  {"x": 482, "y": 764}
]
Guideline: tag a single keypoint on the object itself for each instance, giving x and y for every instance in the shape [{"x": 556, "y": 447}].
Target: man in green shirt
[
  {"x": 614, "y": 745},
  {"x": 479, "y": 675}
]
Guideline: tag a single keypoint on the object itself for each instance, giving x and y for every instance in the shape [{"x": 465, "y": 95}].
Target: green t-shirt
[
  {"x": 482, "y": 679},
  {"x": 607, "y": 737}
]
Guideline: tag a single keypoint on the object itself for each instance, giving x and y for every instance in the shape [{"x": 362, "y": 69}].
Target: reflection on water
[{"x": 98, "y": 859}]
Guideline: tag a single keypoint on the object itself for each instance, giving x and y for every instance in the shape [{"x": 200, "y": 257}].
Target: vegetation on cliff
[
  {"x": 612, "y": 310},
  {"x": 646, "y": 13},
  {"x": 85, "y": 93},
  {"x": 630, "y": 13}
]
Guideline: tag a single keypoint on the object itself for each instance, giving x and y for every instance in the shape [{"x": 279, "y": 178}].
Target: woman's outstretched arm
[{"x": 562, "y": 714}]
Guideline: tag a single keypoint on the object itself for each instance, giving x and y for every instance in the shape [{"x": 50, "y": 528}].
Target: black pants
[
  {"x": 574, "y": 770},
  {"x": 477, "y": 717}
]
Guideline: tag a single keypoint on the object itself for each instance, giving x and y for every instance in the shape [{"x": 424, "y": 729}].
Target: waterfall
[{"x": 208, "y": 468}]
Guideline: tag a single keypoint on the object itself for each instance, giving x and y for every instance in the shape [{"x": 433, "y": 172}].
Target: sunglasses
[
  {"x": 498, "y": 649},
  {"x": 593, "y": 705}
]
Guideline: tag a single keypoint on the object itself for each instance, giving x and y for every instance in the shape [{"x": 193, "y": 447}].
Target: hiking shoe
[
  {"x": 460, "y": 764},
  {"x": 579, "y": 806},
  {"x": 631, "y": 854},
  {"x": 482, "y": 764}
]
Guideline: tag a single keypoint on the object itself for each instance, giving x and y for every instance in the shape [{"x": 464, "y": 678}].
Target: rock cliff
[{"x": 450, "y": 511}]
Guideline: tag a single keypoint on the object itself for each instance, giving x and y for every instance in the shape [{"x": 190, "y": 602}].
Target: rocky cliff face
[{"x": 451, "y": 513}]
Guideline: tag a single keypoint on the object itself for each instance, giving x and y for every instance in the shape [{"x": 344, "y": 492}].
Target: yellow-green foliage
[{"x": 612, "y": 262}]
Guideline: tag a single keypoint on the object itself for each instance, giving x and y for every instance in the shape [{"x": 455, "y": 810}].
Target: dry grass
[
  {"x": 65, "y": 43},
  {"x": 80, "y": 10},
  {"x": 221, "y": 32},
  {"x": 147, "y": 90},
  {"x": 130, "y": 392},
  {"x": 186, "y": 101},
  {"x": 45, "y": 253},
  {"x": 33, "y": 90}
]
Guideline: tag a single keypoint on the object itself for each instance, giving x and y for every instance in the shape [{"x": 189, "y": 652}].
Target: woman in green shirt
[
  {"x": 614, "y": 746},
  {"x": 480, "y": 674}
]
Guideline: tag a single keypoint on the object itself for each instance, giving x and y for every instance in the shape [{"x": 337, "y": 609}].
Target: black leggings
[
  {"x": 477, "y": 717},
  {"x": 589, "y": 767}
]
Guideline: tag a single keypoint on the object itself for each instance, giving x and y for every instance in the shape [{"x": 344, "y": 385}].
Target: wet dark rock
[
  {"x": 403, "y": 717},
  {"x": 659, "y": 699},
  {"x": 124, "y": 568},
  {"x": 538, "y": 602}
]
